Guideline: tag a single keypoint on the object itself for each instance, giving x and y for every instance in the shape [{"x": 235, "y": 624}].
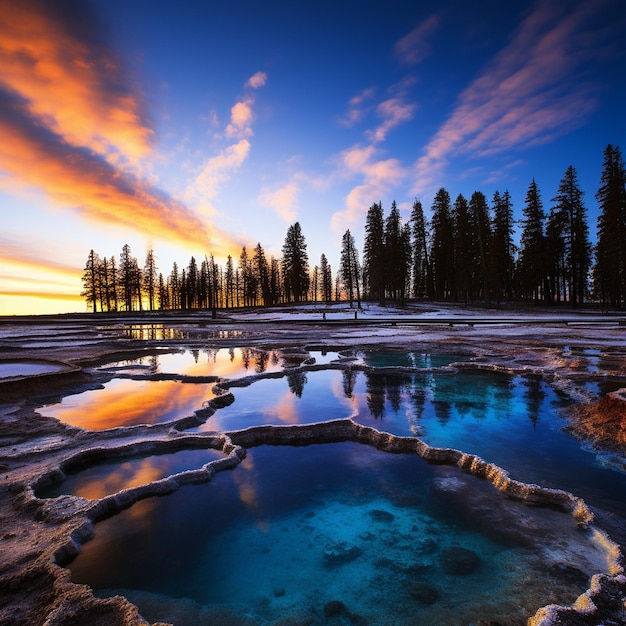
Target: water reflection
[
  {"x": 345, "y": 521},
  {"x": 164, "y": 332},
  {"x": 297, "y": 398},
  {"x": 220, "y": 362},
  {"x": 123, "y": 402},
  {"x": 113, "y": 475},
  {"x": 419, "y": 360}
]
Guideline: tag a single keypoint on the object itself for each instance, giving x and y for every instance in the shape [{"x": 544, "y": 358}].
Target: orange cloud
[
  {"x": 80, "y": 179},
  {"x": 257, "y": 80},
  {"x": 529, "y": 94},
  {"x": 71, "y": 123},
  {"x": 12, "y": 255},
  {"x": 52, "y": 58}
]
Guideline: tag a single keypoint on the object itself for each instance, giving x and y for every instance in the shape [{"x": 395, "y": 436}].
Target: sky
[{"x": 194, "y": 128}]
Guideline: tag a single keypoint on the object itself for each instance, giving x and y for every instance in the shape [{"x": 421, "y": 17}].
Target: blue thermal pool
[
  {"x": 292, "y": 529},
  {"x": 395, "y": 358},
  {"x": 511, "y": 421}
]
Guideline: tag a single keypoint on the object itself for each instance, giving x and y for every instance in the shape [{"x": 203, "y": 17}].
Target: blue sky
[{"x": 198, "y": 127}]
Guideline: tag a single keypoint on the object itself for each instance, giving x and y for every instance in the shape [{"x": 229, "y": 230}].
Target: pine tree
[
  {"x": 91, "y": 281},
  {"x": 481, "y": 225},
  {"x": 295, "y": 265},
  {"x": 569, "y": 203},
  {"x": 275, "y": 281},
  {"x": 173, "y": 283},
  {"x": 326, "y": 278},
  {"x": 393, "y": 253},
  {"x": 114, "y": 289},
  {"x": 105, "y": 291},
  {"x": 374, "y": 254},
  {"x": 610, "y": 257},
  {"x": 261, "y": 272},
  {"x": 556, "y": 255},
  {"x": 248, "y": 288},
  {"x": 464, "y": 241},
  {"x": 442, "y": 247},
  {"x": 421, "y": 271},
  {"x": 349, "y": 268},
  {"x": 130, "y": 279},
  {"x": 531, "y": 264},
  {"x": 164, "y": 302},
  {"x": 230, "y": 282},
  {"x": 502, "y": 253},
  {"x": 192, "y": 284},
  {"x": 406, "y": 256},
  {"x": 149, "y": 278}
]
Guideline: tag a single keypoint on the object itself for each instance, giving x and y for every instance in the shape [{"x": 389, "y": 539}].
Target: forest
[{"x": 465, "y": 253}]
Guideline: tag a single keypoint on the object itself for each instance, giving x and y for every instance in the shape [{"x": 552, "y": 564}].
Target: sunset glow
[{"x": 194, "y": 129}]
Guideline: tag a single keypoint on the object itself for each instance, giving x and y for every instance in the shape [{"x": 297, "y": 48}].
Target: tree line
[{"x": 464, "y": 253}]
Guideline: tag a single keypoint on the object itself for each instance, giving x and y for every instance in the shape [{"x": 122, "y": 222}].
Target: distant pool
[{"x": 13, "y": 369}]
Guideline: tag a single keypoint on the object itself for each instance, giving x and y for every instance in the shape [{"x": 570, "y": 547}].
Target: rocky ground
[{"x": 36, "y": 537}]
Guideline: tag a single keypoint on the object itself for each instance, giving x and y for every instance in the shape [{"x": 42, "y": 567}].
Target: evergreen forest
[{"x": 464, "y": 253}]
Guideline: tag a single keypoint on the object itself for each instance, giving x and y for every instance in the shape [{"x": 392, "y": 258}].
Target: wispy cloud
[
  {"x": 13, "y": 254},
  {"x": 530, "y": 93},
  {"x": 378, "y": 177},
  {"x": 358, "y": 107},
  {"x": 415, "y": 46},
  {"x": 219, "y": 168},
  {"x": 283, "y": 201},
  {"x": 240, "y": 119},
  {"x": 393, "y": 112}
]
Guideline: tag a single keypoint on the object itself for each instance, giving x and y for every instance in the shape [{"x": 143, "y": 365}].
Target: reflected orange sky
[
  {"x": 129, "y": 402},
  {"x": 223, "y": 362},
  {"x": 124, "y": 476}
]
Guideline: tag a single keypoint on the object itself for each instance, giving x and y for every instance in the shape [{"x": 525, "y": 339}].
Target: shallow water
[
  {"x": 108, "y": 477},
  {"x": 125, "y": 402},
  {"x": 10, "y": 369},
  {"x": 266, "y": 539}
]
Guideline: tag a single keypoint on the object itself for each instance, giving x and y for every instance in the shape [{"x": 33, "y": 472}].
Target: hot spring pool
[{"x": 292, "y": 529}]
